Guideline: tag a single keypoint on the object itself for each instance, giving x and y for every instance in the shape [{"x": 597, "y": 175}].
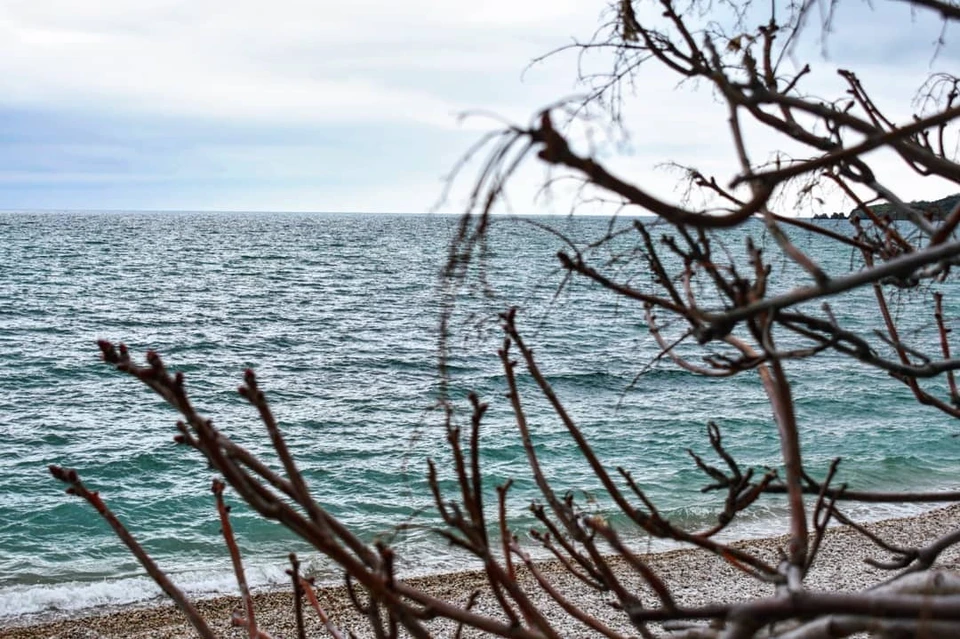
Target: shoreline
[{"x": 693, "y": 576}]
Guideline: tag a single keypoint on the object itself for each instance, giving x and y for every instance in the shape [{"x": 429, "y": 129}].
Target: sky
[{"x": 316, "y": 105}]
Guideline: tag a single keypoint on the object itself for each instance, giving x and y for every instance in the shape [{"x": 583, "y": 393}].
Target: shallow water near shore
[
  {"x": 338, "y": 315},
  {"x": 694, "y": 577}
]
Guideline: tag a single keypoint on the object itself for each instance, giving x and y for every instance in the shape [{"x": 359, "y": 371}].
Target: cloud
[
  {"x": 333, "y": 105},
  {"x": 304, "y": 61},
  {"x": 253, "y": 97}
]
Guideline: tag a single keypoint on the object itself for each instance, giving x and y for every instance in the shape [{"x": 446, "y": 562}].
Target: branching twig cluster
[{"x": 697, "y": 298}]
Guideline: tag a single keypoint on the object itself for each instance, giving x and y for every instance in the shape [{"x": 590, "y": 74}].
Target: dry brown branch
[
  {"x": 238, "y": 620},
  {"x": 249, "y": 619},
  {"x": 70, "y": 476},
  {"x": 734, "y": 274},
  {"x": 570, "y": 607},
  {"x": 307, "y": 589},
  {"x": 298, "y": 593}
]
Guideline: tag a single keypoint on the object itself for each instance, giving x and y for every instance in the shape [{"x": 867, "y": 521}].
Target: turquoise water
[{"x": 338, "y": 315}]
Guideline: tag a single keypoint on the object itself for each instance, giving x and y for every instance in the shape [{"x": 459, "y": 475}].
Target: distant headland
[{"x": 936, "y": 210}]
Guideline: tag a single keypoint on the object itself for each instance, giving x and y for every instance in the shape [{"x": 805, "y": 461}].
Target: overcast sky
[{"x": 316, "y": 105}]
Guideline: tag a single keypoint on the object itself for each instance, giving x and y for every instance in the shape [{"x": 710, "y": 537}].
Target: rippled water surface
[{"x": 338, "y": 315}]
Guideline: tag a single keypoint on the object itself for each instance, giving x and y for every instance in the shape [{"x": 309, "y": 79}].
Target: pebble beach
[{"x": 694, "y": 577}]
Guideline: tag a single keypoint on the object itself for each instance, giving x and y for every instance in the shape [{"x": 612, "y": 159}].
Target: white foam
[{"x": 20, "y": 601}]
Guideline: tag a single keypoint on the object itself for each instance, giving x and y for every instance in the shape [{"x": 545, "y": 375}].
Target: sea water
[{"x": 339, "y": 316}]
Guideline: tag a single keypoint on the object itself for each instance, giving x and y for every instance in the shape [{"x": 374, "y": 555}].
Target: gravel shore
[{"x": 694, "y": 577}]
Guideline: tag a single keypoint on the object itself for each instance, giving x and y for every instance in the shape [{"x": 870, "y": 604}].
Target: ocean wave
[
  {"x": 339, "y": 318},
  {"x": 27, "y": 602}
]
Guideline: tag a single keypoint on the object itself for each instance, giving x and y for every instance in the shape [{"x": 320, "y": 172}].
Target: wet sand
[{"x": 694, "y": 577}]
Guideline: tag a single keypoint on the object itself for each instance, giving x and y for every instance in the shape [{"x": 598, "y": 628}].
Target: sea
[{"x": 339, "y": 315}]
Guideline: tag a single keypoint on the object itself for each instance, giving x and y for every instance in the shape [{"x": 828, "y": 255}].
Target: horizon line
[{"x": 319, "y": 212}]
